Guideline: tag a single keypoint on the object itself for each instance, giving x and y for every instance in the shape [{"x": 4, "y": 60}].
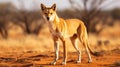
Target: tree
[
  {"x": 27, "y": 17},
  {"x": 89, "y": 10},
  {"x": 5, "y": 11}
]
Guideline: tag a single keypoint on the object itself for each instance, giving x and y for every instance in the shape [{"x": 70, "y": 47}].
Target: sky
[{"x": 61, "y": 4}]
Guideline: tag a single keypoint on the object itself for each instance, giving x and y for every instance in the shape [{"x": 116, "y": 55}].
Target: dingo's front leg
[
  {"x": 56, "y": 47},
  {"x": 64, "y": 52}
]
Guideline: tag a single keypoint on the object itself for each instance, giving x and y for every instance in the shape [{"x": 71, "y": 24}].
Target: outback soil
[{"x": 32, "y": 59}]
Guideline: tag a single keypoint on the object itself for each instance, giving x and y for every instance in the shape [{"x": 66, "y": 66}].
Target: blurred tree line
[
  {"x": 92, "y": 13},
  {"x": 23, "y": 18},
  {"x": 26, "y": 19}
]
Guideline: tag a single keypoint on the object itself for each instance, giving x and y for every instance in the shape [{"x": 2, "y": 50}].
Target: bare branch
[{"x": 74, "y": 4}]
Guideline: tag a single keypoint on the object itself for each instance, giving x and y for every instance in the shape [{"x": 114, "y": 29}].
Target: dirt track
[{"x": 30, "y": 59}]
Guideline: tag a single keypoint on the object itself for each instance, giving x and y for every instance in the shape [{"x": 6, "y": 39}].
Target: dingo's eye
[
  {"x": 45, "y": 13},
  {"x": 51, "y": 13}
]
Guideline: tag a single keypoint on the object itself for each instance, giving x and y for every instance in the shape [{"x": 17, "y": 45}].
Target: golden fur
[{"x": 62, "y": 29}]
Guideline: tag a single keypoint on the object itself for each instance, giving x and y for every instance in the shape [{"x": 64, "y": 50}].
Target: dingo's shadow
[{"x": 43, "y": 65}]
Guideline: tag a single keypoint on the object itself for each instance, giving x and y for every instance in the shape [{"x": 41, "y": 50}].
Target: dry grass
[{"x": 17, "y": 42}]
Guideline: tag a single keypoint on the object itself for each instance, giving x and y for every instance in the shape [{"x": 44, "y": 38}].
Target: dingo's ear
[
  {"x": 42, "y": 7},
  {"x": 54, "y": 6}
]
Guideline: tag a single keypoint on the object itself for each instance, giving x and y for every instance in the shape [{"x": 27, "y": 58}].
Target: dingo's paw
[
  {"x": 78, "y": 61},
  {"x": 89, "y": 61},
  {"x": 63, "y": 63},
  {"x": 53, "y": 63}
]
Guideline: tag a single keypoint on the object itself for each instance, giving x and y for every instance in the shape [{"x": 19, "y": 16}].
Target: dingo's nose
[{"x": 47, "y": 18}]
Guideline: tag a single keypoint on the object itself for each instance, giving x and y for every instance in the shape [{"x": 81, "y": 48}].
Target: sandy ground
[{"x": 31, "y": 59}]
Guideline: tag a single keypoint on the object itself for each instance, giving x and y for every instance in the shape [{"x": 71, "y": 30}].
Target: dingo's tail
[{"x": 93, "y": 52}]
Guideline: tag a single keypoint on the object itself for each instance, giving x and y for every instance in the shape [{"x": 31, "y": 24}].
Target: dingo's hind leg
[
  {"x": 74, "y": 42},
  {"x": 84, "y": 41},
  {"x": 82, "y": 35}
]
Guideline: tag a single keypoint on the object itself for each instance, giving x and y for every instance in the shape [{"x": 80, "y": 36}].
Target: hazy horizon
[{"x": 61, "y": 4}]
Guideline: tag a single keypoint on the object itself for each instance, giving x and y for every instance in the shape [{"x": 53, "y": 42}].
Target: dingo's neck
[
  {"x": 56, "y": 19},
  {"x": 54, "y": 23}
]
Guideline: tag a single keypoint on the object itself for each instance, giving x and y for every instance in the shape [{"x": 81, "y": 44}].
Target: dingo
[{"x": 62, "y": 29}]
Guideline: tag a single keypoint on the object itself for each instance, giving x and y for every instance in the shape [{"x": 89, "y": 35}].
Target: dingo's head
[{"x": 49, "y": 12}]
